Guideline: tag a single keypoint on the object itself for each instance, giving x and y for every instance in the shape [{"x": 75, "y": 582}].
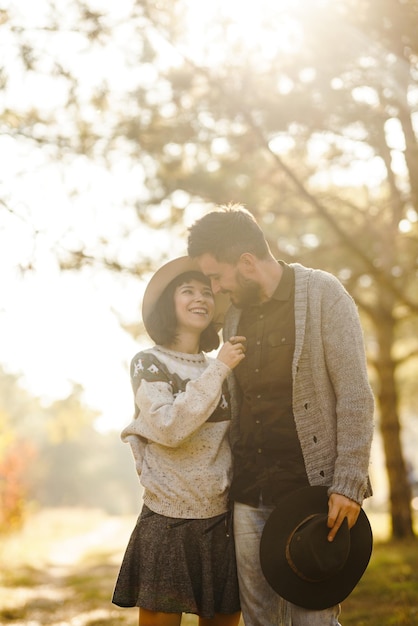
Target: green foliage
[
  {"x": 53, "y": 456},
  {"x": 387, "y": 592},
  {"x": 93, "y": 470}
]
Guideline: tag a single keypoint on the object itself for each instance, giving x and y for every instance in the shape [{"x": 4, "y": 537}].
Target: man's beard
[{"x": 249, "y": 293}]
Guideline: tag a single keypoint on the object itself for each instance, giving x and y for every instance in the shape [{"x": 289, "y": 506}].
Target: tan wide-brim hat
[{"x": 163, "y": 277}]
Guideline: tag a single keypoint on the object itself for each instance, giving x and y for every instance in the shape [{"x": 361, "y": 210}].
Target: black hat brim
[{"x": 291, "y": 511}]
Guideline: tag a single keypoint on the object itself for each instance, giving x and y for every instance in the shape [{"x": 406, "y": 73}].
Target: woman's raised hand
[{"x": 233, "y": 351}]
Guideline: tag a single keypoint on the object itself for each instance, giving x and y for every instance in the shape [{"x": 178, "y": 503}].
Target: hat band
[{"x": 289, "y": 559}]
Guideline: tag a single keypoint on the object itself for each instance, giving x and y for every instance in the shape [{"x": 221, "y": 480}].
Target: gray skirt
[{"x": 177, "y": 565}]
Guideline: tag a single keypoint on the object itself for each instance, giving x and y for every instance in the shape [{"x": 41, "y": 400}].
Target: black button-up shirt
[{"x": 268, "y": 456}]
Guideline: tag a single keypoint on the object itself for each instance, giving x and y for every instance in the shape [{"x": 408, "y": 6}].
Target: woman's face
[{"x": 194, "y": 305}]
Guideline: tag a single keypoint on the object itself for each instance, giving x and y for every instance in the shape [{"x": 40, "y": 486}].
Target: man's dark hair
[
  {"x": 162, "y": 324},
  {"x": 226, "y": 234}
]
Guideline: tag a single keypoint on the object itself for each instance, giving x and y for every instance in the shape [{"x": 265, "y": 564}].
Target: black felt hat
[{"x": 299, "y": 562}]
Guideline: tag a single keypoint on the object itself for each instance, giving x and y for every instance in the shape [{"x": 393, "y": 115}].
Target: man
[{"x": 302, "y": 403}]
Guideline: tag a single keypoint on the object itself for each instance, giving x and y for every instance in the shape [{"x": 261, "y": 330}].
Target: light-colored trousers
[{"x": 260, "y": 605}]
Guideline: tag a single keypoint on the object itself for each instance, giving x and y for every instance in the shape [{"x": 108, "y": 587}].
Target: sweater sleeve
[
  {"x": 137, "y": 445},
  {"x": 346, "y": 363},
  {"x": 167, "y": 418}
]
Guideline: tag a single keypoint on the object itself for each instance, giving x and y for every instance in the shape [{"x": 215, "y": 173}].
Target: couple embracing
[{"x": 254, "y": 463}]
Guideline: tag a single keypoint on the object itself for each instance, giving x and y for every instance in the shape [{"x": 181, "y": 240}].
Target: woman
[{"x": 180, "y": 558}]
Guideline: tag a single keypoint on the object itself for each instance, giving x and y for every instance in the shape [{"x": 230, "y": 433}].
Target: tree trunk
[{"x": 399, "y": 487}]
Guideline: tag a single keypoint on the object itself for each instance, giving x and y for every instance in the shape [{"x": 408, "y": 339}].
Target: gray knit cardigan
[{"x": 333, "y": 403}]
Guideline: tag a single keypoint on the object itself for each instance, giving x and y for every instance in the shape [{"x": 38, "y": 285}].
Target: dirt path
[{"x": 61, "y": 569}]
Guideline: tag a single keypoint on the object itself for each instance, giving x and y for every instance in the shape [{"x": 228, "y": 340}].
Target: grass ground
[{"x": 60, "y": 571}]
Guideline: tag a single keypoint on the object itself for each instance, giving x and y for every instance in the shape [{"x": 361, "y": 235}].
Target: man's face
[{"x": 231, "y": 280}]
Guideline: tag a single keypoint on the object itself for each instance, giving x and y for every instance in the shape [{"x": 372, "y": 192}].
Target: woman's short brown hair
[{"x": 162, "y": 324}]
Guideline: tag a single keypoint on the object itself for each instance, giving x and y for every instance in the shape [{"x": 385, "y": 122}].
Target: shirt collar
[
  {"x": 286, "y": 284},
  {"x": 284, "y": 289}
]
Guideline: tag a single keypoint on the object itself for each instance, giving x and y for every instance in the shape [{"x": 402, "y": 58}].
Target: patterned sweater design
[{"x": 180, "y": 432}]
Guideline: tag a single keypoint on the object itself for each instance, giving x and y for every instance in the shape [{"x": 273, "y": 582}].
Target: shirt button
[
  {"x": 259, "y": 450},
  {"x": 258, "y": 342},
  {"x": 258, "y": 397},
  {"x": 257, "y": 421},
  {"x": 261, "y": 316},
  {"x": 257, "y": 370}
]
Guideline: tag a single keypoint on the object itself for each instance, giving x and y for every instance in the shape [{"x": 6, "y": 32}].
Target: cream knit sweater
[{"x": 179, "y": 435}]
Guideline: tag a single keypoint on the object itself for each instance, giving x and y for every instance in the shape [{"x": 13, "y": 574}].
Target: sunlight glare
[
  {"x": 266, "y": 26},
  {"x": 405, "y": 226}
]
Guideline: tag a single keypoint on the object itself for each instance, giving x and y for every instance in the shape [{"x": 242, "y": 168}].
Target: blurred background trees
[
  {"x": 53, "y": 456},
  {"x": 305, "y": 112}
]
